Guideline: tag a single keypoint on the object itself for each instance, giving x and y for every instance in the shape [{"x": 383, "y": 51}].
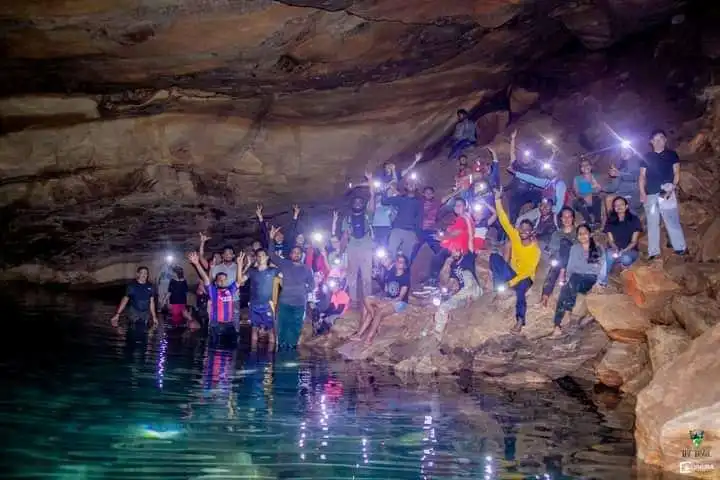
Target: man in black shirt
[
  {"x": 659, "y": 177},
  {"x": 140, "y": 295}
]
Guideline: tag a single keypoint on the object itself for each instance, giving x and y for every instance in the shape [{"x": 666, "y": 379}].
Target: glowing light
[
  {"x": 625, "y": 143},
  {"x": 349, "y": 184},
  {"x": 477, "y": 207},
  {"x": 436, "y": 301},
  {"x": 377, "y": 184},
  {"x": 317, "y": 236},
  {"x": 337, "y": 261},
  {"x": 302, "y": 456},
  {"x": 554, "y": 263},
  {"x": 440, "y": 234},
  {"x": 444, "y": 290},
  {"x": 169, "y": 258},
  {"x": 413, "y": 176},
  {"x": 547, "y": 166},
  {"x": 561, "y": 282},
  {"x": 549, "y": 141},
  {"x": 488, "y": 458},
  {"x": 482, "y": 186},
  {"x": 527, "y": 153},
  {"x": 616, "y": 255},
  {"x": 332, "y": 284},
  {"x": 322, "y": 457},
  {"x": 501, "y": 288},
  {"x": 381, "y": 253}
]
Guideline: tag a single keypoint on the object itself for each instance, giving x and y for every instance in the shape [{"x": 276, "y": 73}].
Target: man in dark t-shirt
[
  {"x": 261, "y": 310},
  {"x": 140, "y": 297},
  {"x": 659, "y": 177}
]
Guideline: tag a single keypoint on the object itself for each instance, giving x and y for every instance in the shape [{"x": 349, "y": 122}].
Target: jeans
[
  {"x": 360, "y": 261},
  {"x": 289, "y": 325},
  {"x": 401, "y": 240},
  {"x": 437, "y": 263},
  {"x": 458, "y": 146},
  {"x": 381, "y": 235},
  {"x": 626, "y": 259},
  {"x": 426, "y": 236},
  {"x": 577, "y": 283},
  {"x": 592, "y": 214},
  {"x": 671, "y": 218},
  {"x": 503, "y": 273}
]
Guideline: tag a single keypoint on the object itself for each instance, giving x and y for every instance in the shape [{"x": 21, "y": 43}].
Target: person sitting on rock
[
  {"x": 558, "y": 251},
  {"x": 260, "y": 310},
  {"x": 658, "y": 182},
  {"x": 222, "y": 291},
  {"x": 460, "y": 267},
  {"x": 395, "y": 300},
  {"x": 520, "y": 190},
  {"x": 519, "y": 273},
  {"x": 587, "y": 201},
  {"x": 585, "y": 265},
  {"x": 623, "y": 230},
  {"x": 464, "y": 136},
  {"x": 544, "y": 222},
  {"x": 339, "y": 305},
  {"x": 552, "y": 187},
  {"x": 140, "y": 296},
  {"x": 624, "y": 174},
  {"x": 458, "y": 236}
]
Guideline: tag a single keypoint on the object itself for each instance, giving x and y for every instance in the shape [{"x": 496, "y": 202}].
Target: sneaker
[{"x": 681, "y": 253}]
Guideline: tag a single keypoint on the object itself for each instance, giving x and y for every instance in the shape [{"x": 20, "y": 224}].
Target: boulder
[
  {"x": 638, "y": 382},
  {"x": 521, "y": 100},
  {"x": 694, "y": 278},
  {"x": 682, "y": 398},
  {"x": 696, "y": 314},
  {"x": 490, "y": 124},
  {"x": 665, "y": 344},
  {"x": 621, "y": 363},
  {"x": 710, "y": 243},
  {"x": 648, "y": 285},
  {"x": 618, "y": 315}
]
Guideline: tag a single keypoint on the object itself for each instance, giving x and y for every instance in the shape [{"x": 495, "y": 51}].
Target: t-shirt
[
  {"x": 340, "y": 298},
  {"x": 659, "y": 170},
  {"x": 395, "y": 282},
  {"x": 229, "y": 270},
  {"x": 466, "y": 263},
  {"x": 622, "y": 232},
  {"x": 261, "y": 284},
  {"x": 222, "y": 302},
  {"x": 382, "y": 217},
  {"x": 178, "y": 292},
  {"x": 584, "y": 186},
  {"x": 430, "y": 213},
  {"x": 140, "y": 295}
]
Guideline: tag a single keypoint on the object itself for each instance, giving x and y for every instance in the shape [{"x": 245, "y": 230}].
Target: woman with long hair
[{"x": 585, "y": 266}]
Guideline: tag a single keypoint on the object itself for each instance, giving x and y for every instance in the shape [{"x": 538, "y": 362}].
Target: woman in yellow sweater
[{"x": 524, "y": 260}]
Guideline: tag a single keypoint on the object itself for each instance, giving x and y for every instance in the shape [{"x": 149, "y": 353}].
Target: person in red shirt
[
  {"x": 459, "y": 236},
  {"x": 431, "y": 207}
]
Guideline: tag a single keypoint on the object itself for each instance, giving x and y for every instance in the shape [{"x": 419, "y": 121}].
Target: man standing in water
[
  {"x": 229, "y": 267},
  {"x": 262, "y": 280},
  {"x": 297, "y": 283},
  {"x": 140, "y": 296}
]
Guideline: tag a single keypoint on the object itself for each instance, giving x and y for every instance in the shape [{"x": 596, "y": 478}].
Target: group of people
[{"x": 363, "y": 261}]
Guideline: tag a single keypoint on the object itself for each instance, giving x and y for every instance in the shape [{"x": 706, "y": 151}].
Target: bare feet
[
  {"x": 544, "y": 301},
  {"x": 557, "y": 331}
]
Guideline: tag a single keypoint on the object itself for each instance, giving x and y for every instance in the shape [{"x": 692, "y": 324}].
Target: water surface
[{"x": 81, "y": 400}]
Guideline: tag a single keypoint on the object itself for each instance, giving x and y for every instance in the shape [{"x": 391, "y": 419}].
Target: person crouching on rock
[
  {"x": 519, "y": 273},
  {"x": 262, "y": 280},
  {"x": 140, "y": 296},
  {"x": 338, "y": 306},
  {"x": 461, "y": 268},
  {"x": 395, "y": 300},
  {"x": 585, "y": 265},
  {"x": 222, "y": 291}
]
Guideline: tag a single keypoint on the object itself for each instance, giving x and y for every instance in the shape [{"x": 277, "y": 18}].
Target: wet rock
[
  {"x": 696, "y": 314},
  {"x": 683, "y": 396},
  {"x": 621, "y": 363},
  {"x": 665, "y": 344},
  {"x": 621, "y": 319}
]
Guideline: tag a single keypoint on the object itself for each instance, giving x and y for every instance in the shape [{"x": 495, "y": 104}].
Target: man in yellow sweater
[{"x": 524, "y": 260}]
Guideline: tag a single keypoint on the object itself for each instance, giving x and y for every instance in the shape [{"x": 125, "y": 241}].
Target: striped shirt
[{"x": 221, "y": 302}]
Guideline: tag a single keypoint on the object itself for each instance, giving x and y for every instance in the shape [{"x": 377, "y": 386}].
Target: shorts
[
  {"x": 261, "y": 316},
  {"x": 400, "y": 306},
  {"x": 176, "y": 313}
]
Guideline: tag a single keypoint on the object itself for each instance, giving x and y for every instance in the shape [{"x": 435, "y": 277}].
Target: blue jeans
[
  {"x": 503, "y": 273},
  {"x": 458, "y": 146},
  {"x": 671, "y": 218},
  {"x": 577, "y": 283},
  {"x": 426, "y": 236},
  {"x": 626, "y": 259}
]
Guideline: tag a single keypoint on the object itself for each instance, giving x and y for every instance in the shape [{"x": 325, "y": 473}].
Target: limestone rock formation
[
  {"x": 666, "y": 344},
  {"x": 621, "y": 319},
  {"x": 621, "y": 363},
  {"x": 684, "y": 396},
  {"x": 696, "y": 314}
]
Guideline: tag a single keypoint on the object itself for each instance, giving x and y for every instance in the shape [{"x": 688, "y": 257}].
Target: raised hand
[
  {"x": 203, "y": 238},
  {"x": 115, "y": 320},
  {"x": 335, "y": 216},
  {"x": 497, "y": 192},
  {"x": 296, "y": 211},
  {"x": 240, "y": 259},
  {"x": 418, "y": 157},
  {"x": 369, "y": 176},
  {"x": 193, "y": 258},
  {"x": 259, "y": 211},
  {"x": 513, "y": 134},
  {"x": 274, "y": 231}
]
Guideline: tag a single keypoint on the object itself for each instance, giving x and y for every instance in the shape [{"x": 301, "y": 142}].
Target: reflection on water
[{"x": 83, "y": 401}]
